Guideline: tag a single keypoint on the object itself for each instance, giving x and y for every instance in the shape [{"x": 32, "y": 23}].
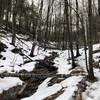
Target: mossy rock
[
  {"x": 8, "y": 97},
  {"x": 24, "y": 78},
  {"x": 23, "y": 71}
]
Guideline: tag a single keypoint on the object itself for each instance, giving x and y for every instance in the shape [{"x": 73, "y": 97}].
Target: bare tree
[
  {"x": 69, "y": 32},
  {"x": 77, "y": 30},
  {"x": 13, "y": 21},
  {"x": 99, "y": 7},
  {"x": 38, "y": 29},
  {"x": 50, "y": 3},
  {"x": 90, "y": 43}
]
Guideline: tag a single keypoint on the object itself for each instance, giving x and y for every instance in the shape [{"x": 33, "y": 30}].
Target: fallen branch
[{"x": 22, "y": 89}]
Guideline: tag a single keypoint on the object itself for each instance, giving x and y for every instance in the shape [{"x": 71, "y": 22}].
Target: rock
[
  {"x": 16, "y": 50},
  {"x": 1, "y": 56},
  {"x": 4, "y": 58},
  {"x": 2, "y": 47}
]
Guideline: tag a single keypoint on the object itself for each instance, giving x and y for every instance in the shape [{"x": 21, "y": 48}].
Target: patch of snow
[
  {"x": 71, "y": 81},
  {"x": 67, "y": 95},
  {"x": 44, "y": 91},
  {"x": 61, "y": 63},
  {"x": 9, "y": 82},
  {"x": 92, "y": 92}
]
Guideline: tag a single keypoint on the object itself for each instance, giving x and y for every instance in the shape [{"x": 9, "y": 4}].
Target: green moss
[{"x": 8, "y": 97}]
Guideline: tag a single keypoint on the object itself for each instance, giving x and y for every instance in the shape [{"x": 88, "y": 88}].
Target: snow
[
  {"x": 71, "y": 81},
  {"x": 15, "y": 61},
  {"x": 67, "y": 95},
  {"x": 44, "y": 91},
  {"x": 11, "y": 59},
  {"x": 69, "y": 85},
  {"x": 92, "y": 92},
  {"x": 9, "y": 82},
  {"x": 61, "y": 63}
]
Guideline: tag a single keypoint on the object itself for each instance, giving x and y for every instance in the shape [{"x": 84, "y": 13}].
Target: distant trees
[
  {"x": 50, "y": 3},
  {"x": 60, "y": 21},
  {"x": 18, "y": 16},
  {"x": 37, "y": 29}
]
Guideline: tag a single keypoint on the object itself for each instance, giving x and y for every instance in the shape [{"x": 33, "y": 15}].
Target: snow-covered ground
[
  {"x": 9, "y": 82},
  {"x": 44, "y": 91},
  {"x": 15, "y": 62},
  {"x": 69, "y": 85}
]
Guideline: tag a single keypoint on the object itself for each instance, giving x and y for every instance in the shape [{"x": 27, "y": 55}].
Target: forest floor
[{"x": 62, "y": 82}]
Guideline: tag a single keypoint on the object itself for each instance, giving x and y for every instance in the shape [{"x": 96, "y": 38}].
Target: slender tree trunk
[
  {"x": 69, "y": 33},
  {"x": 1, "y": 11},
  {"x": 13, "y": 23},
  {"x": 38, "y": 29},
  {"x": 99, "y": 7},
  {"x": 47, "y": 25},
  {"x": 90, "y": 43},
  {"x": 85, "y": 45},
  {"x": 47, "y": 22},
  {"x": 77, "y": 30},
  {"x": 84, "y": 31},
  {"x": 63, "y": 36}
]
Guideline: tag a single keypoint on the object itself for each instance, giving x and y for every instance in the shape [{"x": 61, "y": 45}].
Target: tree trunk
[
  {"x": 13, "y": 23},
  {"x": 77, "y": 30},
  {"x": 47, "y": 22},
  {"x": 33, "y": 47},
  {"x": 69, "y": 33},
  {"x": 90, "y": 44},
  {"x": 99, "y": 7},
  {"x": 38, "y": 29}
]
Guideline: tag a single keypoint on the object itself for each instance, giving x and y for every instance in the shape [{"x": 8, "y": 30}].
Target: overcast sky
[{"x": 35, "y": 1}]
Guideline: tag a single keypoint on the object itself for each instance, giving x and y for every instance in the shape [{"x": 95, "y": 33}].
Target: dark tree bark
[
  {"x": 77, "y": 30},
  {"x": 47, "y": 25},
  {"x": 69, "y": 33},
  {"x": 38, "y": 29},
  {"x": 1, "y": 11},
  {"x": 33, "y": 47},
  {"x": 90, "y": 42},
  {"x": 14, "y": 22},
  {"x": 47, "y": 22},
  {"x": 99, "y": 7}
]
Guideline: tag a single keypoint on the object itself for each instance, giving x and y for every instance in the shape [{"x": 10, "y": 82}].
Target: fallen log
[
  {"x": 37, "y": 76},
  {"x": 27, "y": 76},
  {"x": 27, "y": 57},
  {"x": 23, "y": 75},
  {"x": 22, "y": 89}
]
